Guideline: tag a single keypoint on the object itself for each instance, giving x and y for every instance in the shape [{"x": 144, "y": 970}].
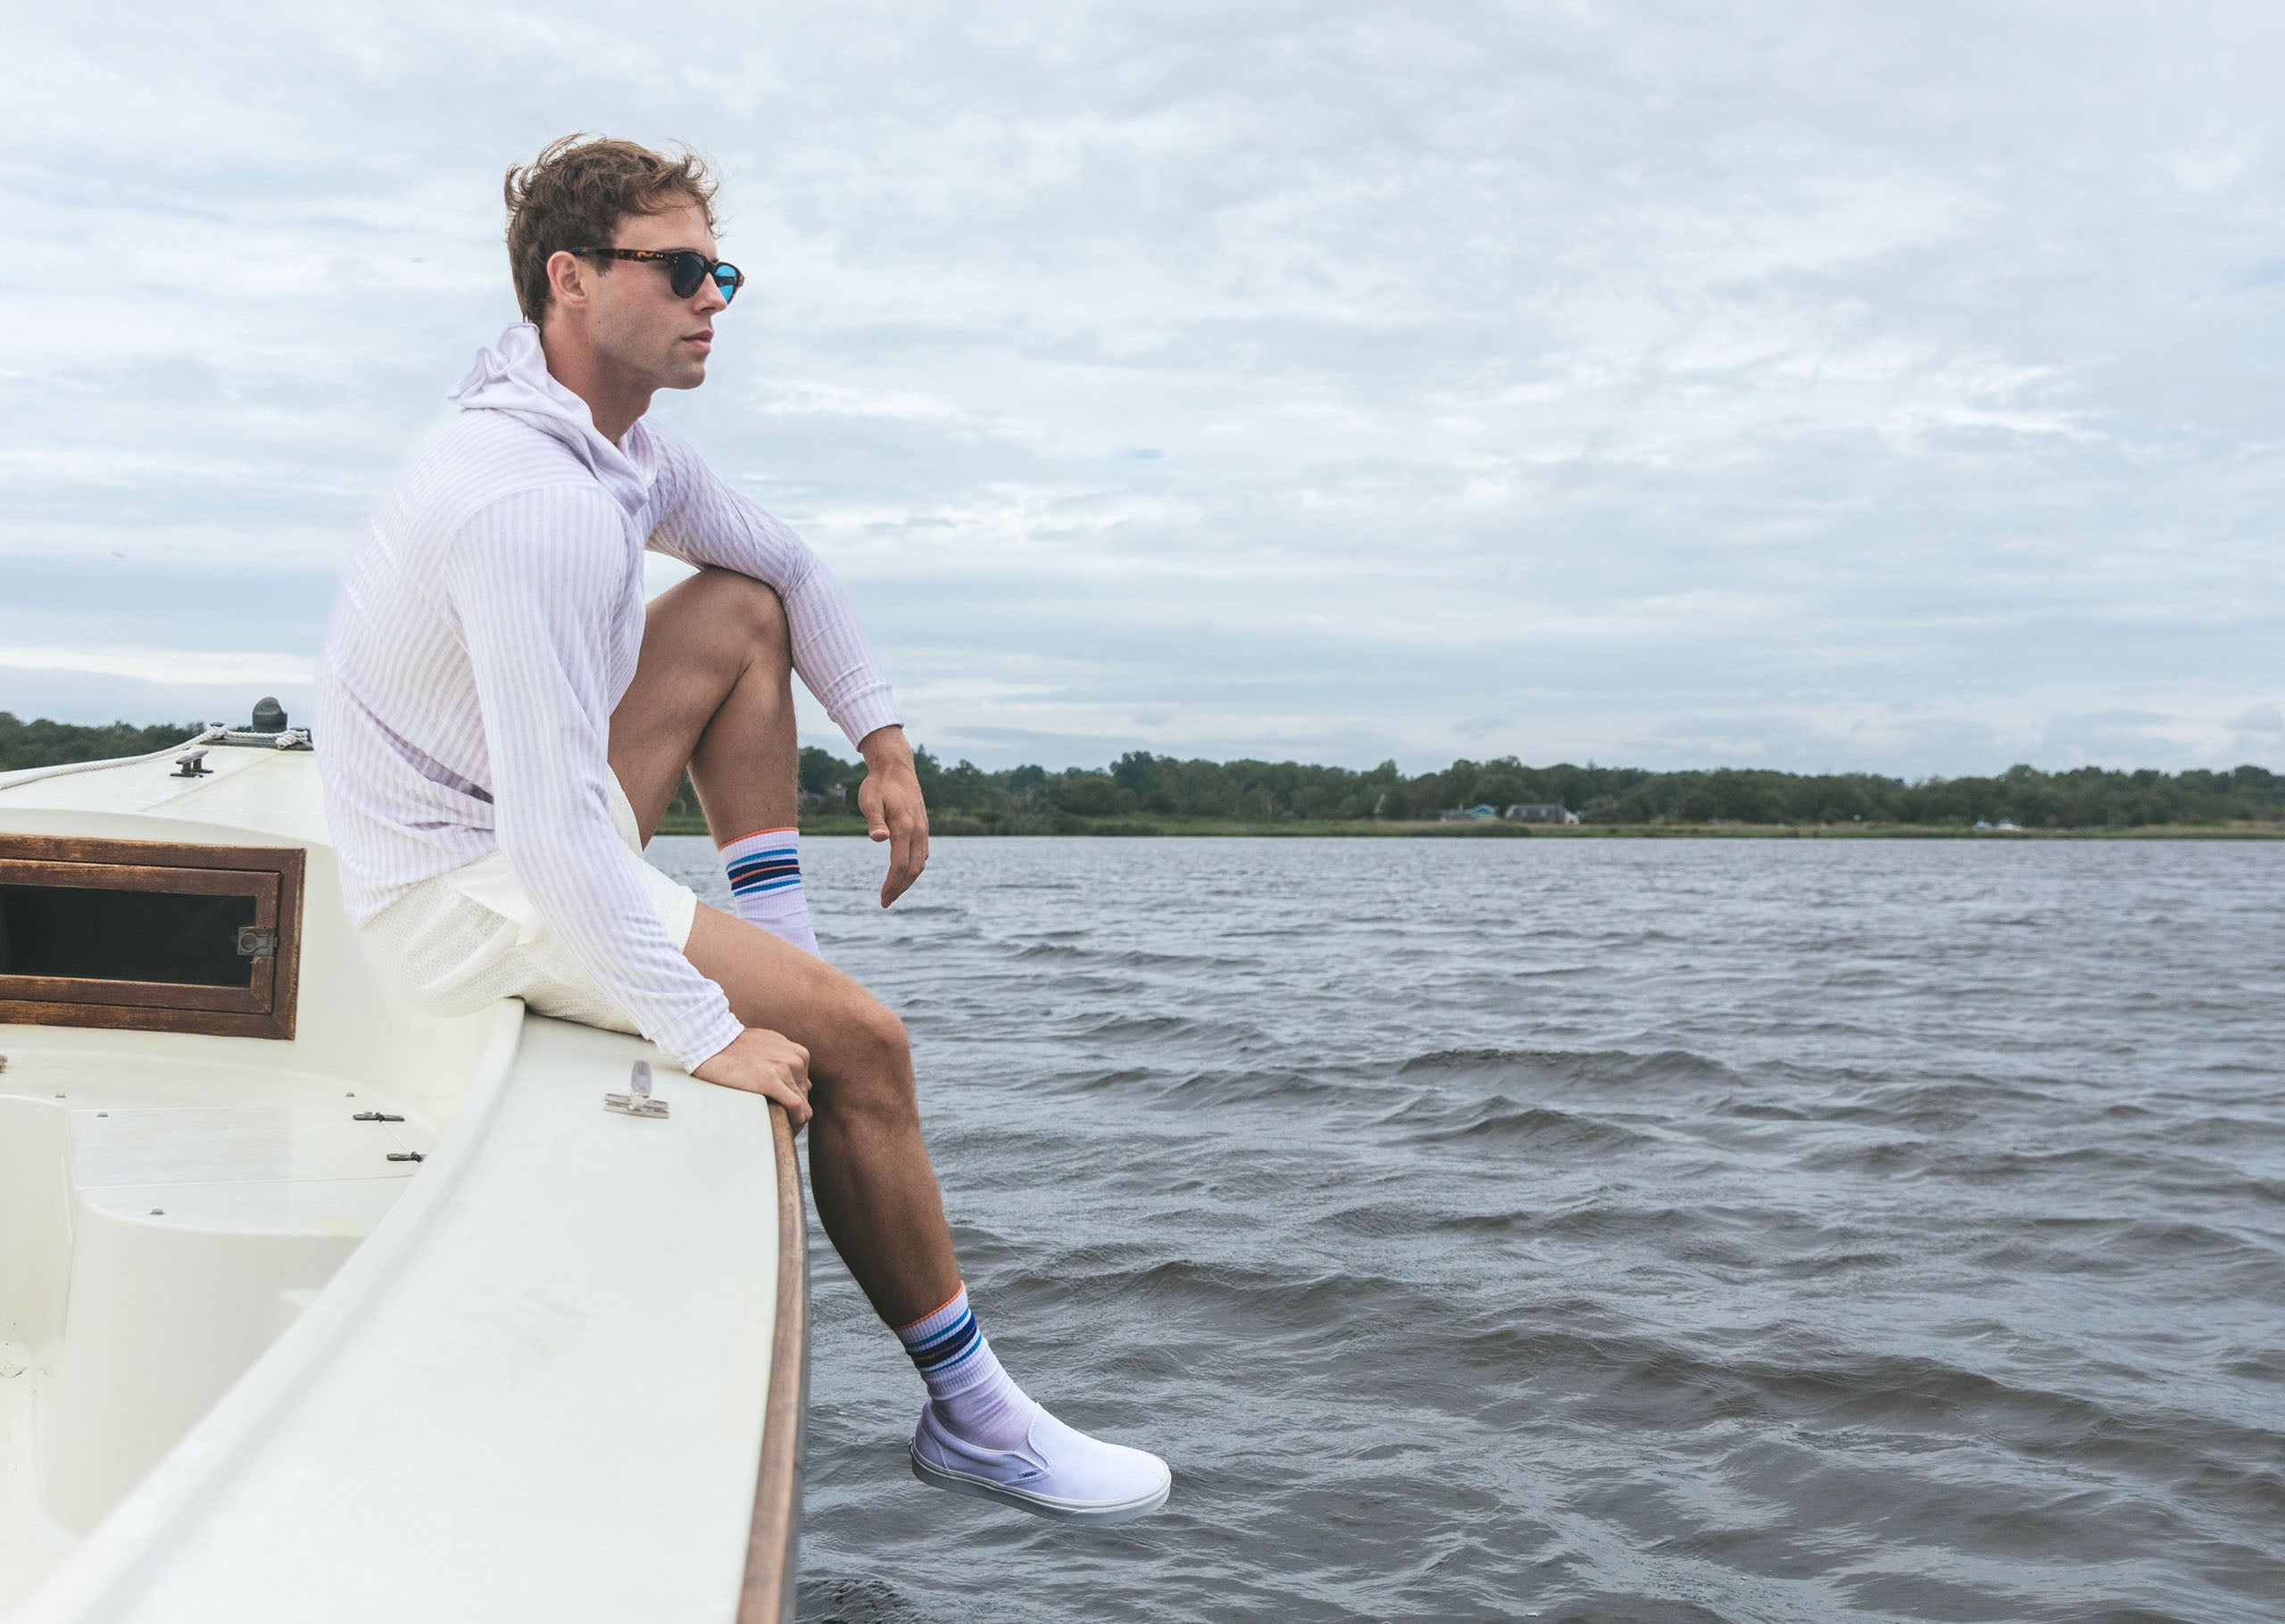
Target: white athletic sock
[
  {"x": 977, "y": 1401},
  {"x": 765, "y": 870}
]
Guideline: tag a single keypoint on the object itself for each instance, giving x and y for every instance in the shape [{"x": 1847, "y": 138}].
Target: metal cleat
[{"x": 636, "y": 1101}]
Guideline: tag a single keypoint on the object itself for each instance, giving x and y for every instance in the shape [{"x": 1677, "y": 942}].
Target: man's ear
[{"x": 567, "y": 279}]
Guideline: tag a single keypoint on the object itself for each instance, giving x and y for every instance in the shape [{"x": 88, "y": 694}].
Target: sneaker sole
[{"x": 1041, "y": 1505}]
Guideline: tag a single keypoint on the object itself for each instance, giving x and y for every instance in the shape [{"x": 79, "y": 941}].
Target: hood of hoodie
[{"x": 513, "y": 376}]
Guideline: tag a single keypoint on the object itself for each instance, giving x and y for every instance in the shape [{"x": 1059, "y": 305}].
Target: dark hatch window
[
  {"x": 125, "y": 935},
  {"x": 150, "y": 935}
]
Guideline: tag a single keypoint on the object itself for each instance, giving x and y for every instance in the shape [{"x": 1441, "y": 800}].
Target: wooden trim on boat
[
  {"x": 767, "y": 1596},
  {"x": 273, "y": 876}
]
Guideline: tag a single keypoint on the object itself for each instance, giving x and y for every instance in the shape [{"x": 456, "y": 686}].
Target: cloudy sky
[{"x": 1815, "y": 385}]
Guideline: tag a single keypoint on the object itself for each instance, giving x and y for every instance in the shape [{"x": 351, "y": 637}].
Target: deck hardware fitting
[
  {"x": 406, "y": 1155},
  {"x": 374, "y": 1116},
  {"x": 192, "y": 764},
  {"x": 636, "y": 1101},
  {"x": 158, "y": 1212},
  {"x": 257, "y": 941}
]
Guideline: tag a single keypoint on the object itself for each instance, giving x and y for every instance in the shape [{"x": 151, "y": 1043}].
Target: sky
[{"x": 1818, "y": 386}]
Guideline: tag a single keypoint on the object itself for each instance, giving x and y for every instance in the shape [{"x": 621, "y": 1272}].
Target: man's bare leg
[
  {"x": 869, "y": 1168},
  {"x": 713, "y": 689}
]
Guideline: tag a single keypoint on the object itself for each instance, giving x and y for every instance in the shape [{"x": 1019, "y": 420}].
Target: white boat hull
[{"x": 263, "y": 1372}]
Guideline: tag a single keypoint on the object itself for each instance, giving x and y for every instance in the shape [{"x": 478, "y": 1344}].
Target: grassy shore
[{"x": 954, "y": 822}]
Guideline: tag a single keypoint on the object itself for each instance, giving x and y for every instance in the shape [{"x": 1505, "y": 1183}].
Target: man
[{"x": 501, "y": 725}]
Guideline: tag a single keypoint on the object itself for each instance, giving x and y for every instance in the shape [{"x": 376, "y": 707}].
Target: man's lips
[{"x": 706, "y": 339}]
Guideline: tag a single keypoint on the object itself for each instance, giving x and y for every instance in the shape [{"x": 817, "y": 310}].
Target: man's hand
[
  {"x": 761, "y": 1062},
  {"x": 889, "y": 799}
]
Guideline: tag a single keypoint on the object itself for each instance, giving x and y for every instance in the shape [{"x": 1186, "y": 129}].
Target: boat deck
[{"x": 176, "y": 1182}]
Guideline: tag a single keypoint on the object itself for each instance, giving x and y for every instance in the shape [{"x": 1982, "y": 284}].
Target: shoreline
[{"x": 954, "y": 824}]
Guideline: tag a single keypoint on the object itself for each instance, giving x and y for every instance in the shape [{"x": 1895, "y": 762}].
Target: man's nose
[{"x": 710, "y": 297}]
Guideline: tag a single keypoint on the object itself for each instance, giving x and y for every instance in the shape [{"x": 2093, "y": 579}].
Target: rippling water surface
[{"x": 1588, "y": 1230}]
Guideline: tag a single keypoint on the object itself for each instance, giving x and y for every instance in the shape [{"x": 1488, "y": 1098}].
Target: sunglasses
[{"x": 686, "y": 268}]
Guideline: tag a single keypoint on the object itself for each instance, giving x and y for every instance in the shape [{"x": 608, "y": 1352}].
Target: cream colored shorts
[{"x": 460, "y": 940}]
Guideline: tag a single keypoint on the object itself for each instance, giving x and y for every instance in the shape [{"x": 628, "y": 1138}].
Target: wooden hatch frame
[{"x": 272, "y": 875}]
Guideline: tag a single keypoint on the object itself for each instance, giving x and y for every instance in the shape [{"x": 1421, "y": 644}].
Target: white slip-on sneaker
[{"x": 1060, "y": 1473}]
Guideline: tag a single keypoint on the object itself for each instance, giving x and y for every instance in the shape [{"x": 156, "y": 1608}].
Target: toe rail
[{"x": 767, "y": 1596}]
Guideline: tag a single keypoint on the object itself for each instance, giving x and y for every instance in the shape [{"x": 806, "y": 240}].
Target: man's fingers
[
  {"x": 907, "y": 857},
  {"x": 894, "y": 882},
  {"x": 795, "y": 1100},
  {"x": 869, "y": 802}
]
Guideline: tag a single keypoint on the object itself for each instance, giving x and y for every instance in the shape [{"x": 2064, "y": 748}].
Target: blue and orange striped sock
[
  {"x": 974, "y": 1397},
  {"x": 765, "y": 870}
]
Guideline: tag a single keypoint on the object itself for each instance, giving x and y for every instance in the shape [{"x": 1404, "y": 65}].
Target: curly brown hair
[{"x": 576, "y": 191}]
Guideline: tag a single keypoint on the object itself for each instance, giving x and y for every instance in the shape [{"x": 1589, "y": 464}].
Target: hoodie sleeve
[
  {"x": 702, "y": 521},
  {"x": 531, "y": 578}
]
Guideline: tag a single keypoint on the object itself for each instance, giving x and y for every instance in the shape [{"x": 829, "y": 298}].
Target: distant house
[
  {"x": 1541, "y": 812},
  {"x": 1468, "y": 815}
]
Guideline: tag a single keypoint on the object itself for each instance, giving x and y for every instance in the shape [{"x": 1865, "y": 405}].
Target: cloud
[
  {"x": 2261, "y": 732},
  {"x": 98, "y": 696},
  {"x": 1883, "y": 387}
]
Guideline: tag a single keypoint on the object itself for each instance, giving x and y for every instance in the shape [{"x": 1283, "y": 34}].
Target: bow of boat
[{"x": 313, "y": 1305}]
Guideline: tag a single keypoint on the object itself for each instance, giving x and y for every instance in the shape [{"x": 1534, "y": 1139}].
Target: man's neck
[{"x": 615, "y": 400}]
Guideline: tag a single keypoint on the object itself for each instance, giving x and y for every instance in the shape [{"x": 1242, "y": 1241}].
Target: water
[{"x": 1612, "y": 1231}]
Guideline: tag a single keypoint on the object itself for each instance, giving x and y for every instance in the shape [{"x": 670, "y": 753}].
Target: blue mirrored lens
[{"x": 727, "y": 278}]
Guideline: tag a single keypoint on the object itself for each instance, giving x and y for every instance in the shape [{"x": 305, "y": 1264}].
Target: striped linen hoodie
[{"x": 486, "y": 626}]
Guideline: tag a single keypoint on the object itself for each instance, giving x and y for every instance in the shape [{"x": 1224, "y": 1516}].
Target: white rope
[{"x": 292, "y": 738}]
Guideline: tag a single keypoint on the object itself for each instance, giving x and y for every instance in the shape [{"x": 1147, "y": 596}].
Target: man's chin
[{"x": 684, "y": 369}]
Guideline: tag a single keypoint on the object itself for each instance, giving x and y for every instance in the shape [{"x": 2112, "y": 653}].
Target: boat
[{"x": 316, "y": 1306}]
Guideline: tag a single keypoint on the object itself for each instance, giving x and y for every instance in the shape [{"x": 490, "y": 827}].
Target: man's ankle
[{"x": 977, "y": 1401}]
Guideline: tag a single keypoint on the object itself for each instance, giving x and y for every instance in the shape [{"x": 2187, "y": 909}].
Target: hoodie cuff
[
  {"x": 869, "y": 712},
  {"x": 701, "y": 1049}
]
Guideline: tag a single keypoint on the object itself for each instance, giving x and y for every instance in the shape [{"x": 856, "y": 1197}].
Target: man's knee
[
  {"x": 751, "y": 608},
  {"x": 882, "y": 1038},
  {"x": 874, "y": 1074}
]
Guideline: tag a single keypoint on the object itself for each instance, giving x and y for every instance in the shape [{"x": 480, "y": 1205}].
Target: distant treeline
[
  {"x": 45, "y": 743},
  {"x": 1140, "y": 783}
]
